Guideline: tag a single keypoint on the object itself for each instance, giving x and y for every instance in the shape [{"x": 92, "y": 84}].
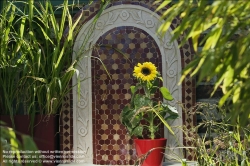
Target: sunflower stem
[
  {"x": 146, "y": 90},
  {"x": 151, "y": 126}
]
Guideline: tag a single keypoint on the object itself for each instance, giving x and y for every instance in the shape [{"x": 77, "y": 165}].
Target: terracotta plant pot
[{"x": 155, "y": 158}]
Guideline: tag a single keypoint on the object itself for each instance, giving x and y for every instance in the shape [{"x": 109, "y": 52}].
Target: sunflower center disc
[{"x": 146, "y": 71}]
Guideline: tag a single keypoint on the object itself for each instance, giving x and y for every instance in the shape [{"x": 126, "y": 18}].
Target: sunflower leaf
[
  {"x": 166, "y": 94},
  {"x": 133, "y": 89},
  {"x": 138, "y": 131},
  {"x": 141, "y": 101}
]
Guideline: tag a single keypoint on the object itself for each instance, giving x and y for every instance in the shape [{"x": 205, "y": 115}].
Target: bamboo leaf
[
  {"x": 213, "y": 38},
  {"x": 163, "y": 4},
  {"x": 38, "y": 79},
  {"x": 225, "y": 97},
  {"x": 60, "y": 85},
  {"x": 53, "y": 20},
  {"x": 228, "y": 79},
  {"x": 45, "y": 34},
  {"x": 31, "y": 13},
  {"x": 63, "y": 19},
  {"x": 21, "y": 30}
]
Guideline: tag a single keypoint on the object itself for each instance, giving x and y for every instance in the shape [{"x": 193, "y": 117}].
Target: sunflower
[{"x": 145, "y": 72}]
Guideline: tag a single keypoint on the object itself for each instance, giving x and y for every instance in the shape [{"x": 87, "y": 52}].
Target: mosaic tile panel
[
  {"x": 188, "y": 85},
  {"x": 189, "y": 98},
  {"x": 111, "y": 94},
  {"x": 66, "y": 127}
]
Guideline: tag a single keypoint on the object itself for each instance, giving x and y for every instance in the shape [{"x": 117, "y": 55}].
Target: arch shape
[{"x": 116, "y": 16}]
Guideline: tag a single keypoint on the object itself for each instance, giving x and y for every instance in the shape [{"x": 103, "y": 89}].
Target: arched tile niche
[{"x": 93, "y": 113}]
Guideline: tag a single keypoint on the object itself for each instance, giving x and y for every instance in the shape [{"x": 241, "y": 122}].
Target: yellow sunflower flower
[{"x": 145, "y": 72}]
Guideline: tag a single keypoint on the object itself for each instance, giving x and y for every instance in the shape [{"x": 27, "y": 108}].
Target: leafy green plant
[
  {"x": 220, "y": 29},
  {"x": 11, "y": 146},
  {"x": 222, "y": 143},
  {"x": 36, "y": 51},
  {"x": 143, "y": 105},
  {"x": 10, "y": 66}
]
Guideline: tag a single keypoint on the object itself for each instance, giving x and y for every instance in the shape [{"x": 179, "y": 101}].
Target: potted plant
[
  {"x": 36, "y": 49},
  {"x": 34, "y": 75},
  {"x": 141, "y": 114},
  {"x": 35, "y": 63}
]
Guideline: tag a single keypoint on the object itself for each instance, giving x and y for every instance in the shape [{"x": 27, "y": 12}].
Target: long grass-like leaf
[{"x": 164, "y": 121}]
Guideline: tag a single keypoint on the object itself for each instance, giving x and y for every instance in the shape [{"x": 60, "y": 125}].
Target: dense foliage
[
  {"x": 221, "y": 30},
  {"x": 36, "y": 50},
  {"x": 221, "y": 143}
]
